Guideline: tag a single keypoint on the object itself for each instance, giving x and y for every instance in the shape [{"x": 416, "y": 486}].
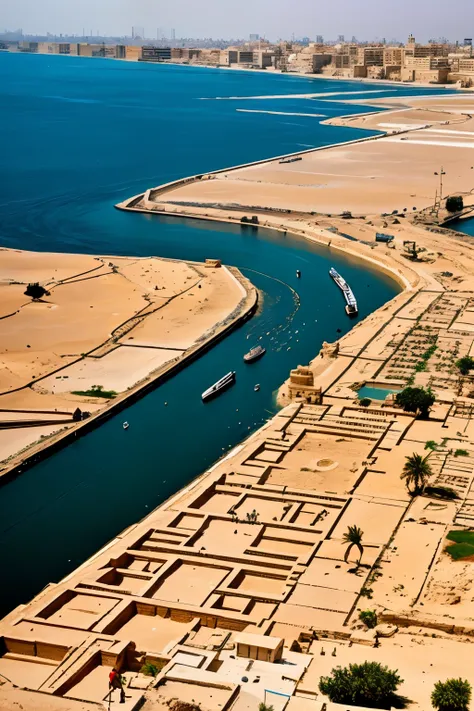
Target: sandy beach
[{"x": 111, "y": 322}]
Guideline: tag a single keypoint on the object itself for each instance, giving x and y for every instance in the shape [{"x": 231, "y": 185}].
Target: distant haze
[{"x": 366, "y": 19}]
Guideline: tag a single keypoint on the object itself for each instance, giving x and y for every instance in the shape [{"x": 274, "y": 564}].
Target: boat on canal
[
  {"x": 350, "y": 299},
  {"x": 254, "y": 354},
  {"x": 219, "y": 387}
]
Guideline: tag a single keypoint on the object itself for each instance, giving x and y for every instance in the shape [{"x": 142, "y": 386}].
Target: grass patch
[
  {"x": 96, "y": 391},
  {"x": 463, "y": 544}
]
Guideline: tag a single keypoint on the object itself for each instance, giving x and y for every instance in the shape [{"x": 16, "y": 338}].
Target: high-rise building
[
  {"x": 468, "y": 42},
  {"x": 319, "y": 39},
  {"x": 173, "y": 34},
  {"x": 254, "y": 38},
  {"x": 340, "y": 38}
]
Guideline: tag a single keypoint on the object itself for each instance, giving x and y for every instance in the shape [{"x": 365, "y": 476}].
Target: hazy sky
[{"x": 366, "y": 19}]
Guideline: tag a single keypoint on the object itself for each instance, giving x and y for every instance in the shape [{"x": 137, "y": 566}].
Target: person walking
[{"x": 116, "y": 682}]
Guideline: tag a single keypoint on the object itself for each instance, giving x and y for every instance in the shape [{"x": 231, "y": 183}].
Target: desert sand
[{"x": 389, "y": 172}]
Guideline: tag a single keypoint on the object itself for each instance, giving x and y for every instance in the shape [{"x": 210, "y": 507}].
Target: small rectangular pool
[{"x": 376, "y": 392}]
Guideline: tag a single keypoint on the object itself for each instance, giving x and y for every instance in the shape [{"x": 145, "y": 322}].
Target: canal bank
[{"x": 46, "y": 447}]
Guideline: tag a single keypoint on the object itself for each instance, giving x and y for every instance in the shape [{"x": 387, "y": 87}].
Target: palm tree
[
  {"x": 353, "y": 537},
  {"x": 416, "y": 473}
]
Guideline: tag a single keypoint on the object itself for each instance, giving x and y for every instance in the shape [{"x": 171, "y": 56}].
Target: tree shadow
[
  {"x": 400, "y": 702},
  {"x": 357, "y": 570}
]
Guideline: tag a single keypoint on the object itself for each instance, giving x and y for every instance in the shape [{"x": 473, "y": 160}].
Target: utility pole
[{"x": 441, "y": 173}]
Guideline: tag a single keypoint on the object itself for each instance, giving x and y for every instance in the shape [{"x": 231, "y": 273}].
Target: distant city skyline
[{"x": 212, "y": 18}]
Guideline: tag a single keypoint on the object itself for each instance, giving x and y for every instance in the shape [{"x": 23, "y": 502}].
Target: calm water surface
[{"x": 79, "y": 136}]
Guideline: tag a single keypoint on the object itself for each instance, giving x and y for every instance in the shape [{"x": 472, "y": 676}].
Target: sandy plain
[
  {"x": 423, "y": 135},
  {"x": 107, "y": 321}
]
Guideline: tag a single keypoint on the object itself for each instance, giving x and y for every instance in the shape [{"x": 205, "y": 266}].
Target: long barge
[
  {"x": 351, "y": 302},
  {"x": 219, "y": 387}
]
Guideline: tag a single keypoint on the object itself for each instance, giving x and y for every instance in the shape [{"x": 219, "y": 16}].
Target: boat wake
[
  {"x": 279, "y": 113},
  {"x": 321, "y": 95}
]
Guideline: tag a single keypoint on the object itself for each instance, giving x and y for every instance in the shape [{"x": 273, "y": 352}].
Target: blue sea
[{"x": 80, "y": 135}]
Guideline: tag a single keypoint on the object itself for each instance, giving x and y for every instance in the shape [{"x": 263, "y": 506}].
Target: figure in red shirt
[{"x": 116, "y": 682}]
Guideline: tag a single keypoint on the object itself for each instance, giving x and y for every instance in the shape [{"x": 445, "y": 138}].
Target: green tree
[
  {"x": 353, "y": 537},
  {"x": 368, "y": 684},
  {"x": 36, "y": 291},
  {"x": 264, "y": 707},
  {"x": 454, "y": 203},
  {"x": 465, "y": 364},
  {"x": 416, "y": 473},
  {"x": 451, "y": 695},
  {"x": 416, "y": 400}
]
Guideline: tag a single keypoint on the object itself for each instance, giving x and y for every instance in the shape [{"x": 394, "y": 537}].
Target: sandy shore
[
  {"x": 111, "y": 322},
  {"x": 396, "y": 171}
]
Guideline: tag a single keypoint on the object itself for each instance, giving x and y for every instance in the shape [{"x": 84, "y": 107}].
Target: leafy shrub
[
  {"x": 451, "y": 695},
  {"x": 367, "y": 684},
  {"x": 369, "y": 618},
  {"x": 149, "y": 669},
  {"x": 365, "y": 402},
  {"x": 461, "y": 453},
  {"x": 465, "y": 364}
]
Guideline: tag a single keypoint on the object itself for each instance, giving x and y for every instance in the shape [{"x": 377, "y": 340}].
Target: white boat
[
  {"x": 351, "y": 302},
  {"x": 254, "y": 354},
  {"x": 218, "y": 387},
  {"x": 256, "y": 388},
  {"x": 125, "y": 425}
]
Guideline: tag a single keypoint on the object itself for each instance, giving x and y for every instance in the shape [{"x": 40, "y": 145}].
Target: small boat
[
  {"x": 125, "y": 425},
  {"x": 220, "y": 386},
  {"x": 351, "y": 303},
  {"x": 256, "y": 388},
  {"x": 298, "y": 273},
  {"x": 254, "y": 354}
]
